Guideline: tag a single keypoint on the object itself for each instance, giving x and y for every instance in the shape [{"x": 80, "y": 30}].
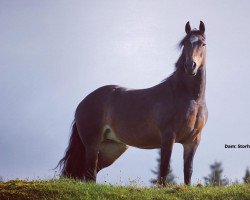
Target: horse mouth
[{"x": 189, "y": 72}]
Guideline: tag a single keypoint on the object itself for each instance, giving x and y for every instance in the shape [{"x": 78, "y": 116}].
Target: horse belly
[{"x": 135, "y": 136}]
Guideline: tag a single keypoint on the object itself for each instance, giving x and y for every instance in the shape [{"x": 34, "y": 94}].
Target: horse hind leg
[
  {"x": 91, "y": 136},
  {"x": 90, "y": 116},
  {"x": 109, "y": 152},
  {"x": 101, "y": 156},
  {"x": 91, "y": 162}
]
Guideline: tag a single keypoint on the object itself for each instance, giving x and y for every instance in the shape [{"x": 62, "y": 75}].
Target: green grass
[{"x": 70, "y": 189}]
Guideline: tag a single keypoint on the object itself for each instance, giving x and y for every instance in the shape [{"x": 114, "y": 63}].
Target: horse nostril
[{"x": 193, "y": 65}]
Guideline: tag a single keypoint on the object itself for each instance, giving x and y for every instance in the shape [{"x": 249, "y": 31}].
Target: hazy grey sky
[{"x": 53, "y": 53}]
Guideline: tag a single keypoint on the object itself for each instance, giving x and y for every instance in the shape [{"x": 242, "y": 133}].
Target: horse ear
[
  {"x": 188, "y": 27},
  {"x": 202, "y": 27}
]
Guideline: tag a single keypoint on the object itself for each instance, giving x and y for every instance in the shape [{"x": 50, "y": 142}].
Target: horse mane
[{"x": 179, "y": 63}]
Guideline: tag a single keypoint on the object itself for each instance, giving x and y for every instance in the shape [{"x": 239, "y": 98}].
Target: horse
[{"x": 111, "y": 118}]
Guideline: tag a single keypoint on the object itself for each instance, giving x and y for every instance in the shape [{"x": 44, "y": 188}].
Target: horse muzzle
[{"x": 191, "y": 68}]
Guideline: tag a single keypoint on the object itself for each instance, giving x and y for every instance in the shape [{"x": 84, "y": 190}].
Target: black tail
[{"x": 73, "y": 163}]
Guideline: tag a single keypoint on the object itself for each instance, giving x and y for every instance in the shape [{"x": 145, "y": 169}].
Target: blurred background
[{"x": 53, "y": 53}]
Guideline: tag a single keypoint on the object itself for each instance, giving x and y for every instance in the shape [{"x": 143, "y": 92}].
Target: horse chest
[
  {"x": 192, "y": 120},
  {"x": 189, "y": 119}
]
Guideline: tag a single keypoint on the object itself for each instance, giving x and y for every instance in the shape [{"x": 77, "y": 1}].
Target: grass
[{"x": 70, "y": 189}]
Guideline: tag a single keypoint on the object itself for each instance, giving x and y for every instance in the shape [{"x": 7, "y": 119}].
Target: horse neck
[{"x": 192, "y": 86}]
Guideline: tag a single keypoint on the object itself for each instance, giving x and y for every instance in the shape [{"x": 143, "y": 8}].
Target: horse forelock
[{"x": 189, "y": 36}]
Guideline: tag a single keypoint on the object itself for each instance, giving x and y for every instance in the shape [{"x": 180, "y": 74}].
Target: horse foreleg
[
  {"x": 189, "y": 152},
  {"x": 166, "y": 151}
]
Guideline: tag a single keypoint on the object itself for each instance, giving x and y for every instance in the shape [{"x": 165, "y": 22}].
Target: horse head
[{"x": 194, "y": 49}]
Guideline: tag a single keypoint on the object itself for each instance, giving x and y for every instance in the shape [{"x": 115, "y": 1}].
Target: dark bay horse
[{"x": 112, "y": 117}]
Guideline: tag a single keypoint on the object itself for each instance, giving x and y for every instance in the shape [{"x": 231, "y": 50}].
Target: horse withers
[{"x": 112, "y": 118}]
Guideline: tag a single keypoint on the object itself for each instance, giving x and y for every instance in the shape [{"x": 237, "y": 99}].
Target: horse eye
[{"x": 204, "y": 44}]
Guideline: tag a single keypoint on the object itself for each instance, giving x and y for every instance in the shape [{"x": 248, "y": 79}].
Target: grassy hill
[{"x": 70, "y": 189}]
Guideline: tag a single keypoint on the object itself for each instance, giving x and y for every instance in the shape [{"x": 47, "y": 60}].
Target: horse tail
[{"x": 72, "y": 165}]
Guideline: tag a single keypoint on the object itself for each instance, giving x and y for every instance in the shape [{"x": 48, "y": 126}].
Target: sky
[{"x": 54, "y": 53}]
